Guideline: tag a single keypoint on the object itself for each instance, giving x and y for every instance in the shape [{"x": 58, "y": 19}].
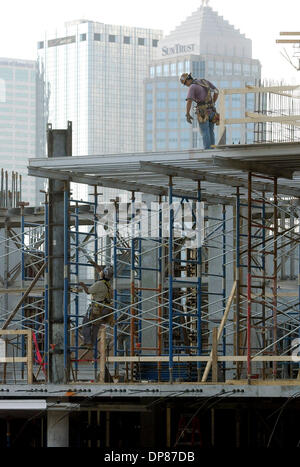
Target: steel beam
[{"x": 255, "y": 167}]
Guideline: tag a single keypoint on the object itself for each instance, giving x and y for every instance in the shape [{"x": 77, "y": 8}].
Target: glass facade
[
  {"x": 98, "y": 85},
  {"x": 23, "y": 118}
]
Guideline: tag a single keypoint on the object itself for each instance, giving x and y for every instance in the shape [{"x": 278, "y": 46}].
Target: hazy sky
[{"x": 22, "y": 23}]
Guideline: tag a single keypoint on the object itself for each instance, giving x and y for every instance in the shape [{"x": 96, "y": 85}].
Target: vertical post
[
  {"x": 224, "y": 274},
  {"x": 199, "y": 280},
  {"x": 275, "y": 274},
  {"x": 263, "y": 259},
  {"x": 249, "y": 277},
  {"x": 76, "y": 296},
  {"x": 107, "y": 430},
  {"x": 222, "y": 111},
  {"x": 132, "y": 286},
  {"x": 115, "y": 282},
  {"x": 46, "y": 282},
  {"x": 102, "y": 354},
  {"x": 59, "y": 145},
  {"x": 215, "y": 355},
  {"x": 237, "y": 278},
  {"x": 29, "y": 358},
  {"x": 168, "y": 426},
  {"x": 57, "y": 429},
  {"x": 160, "y": 284},
  {"x": 171, "y": 240},
  {"x": 23, "y": 278},
  {"x": 66, "y": 280}
]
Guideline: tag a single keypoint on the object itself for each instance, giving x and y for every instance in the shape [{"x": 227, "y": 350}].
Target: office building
[
  {"x": 23, "y": 117},
  {"x": 209, "y": 47}
]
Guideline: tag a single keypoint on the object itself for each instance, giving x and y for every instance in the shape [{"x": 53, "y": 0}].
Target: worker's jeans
[{"x": 207, "y": 132}]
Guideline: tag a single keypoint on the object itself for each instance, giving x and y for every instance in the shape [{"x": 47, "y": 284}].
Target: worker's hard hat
[
  {"x": 184, "y": 77},
  {"x": 108, "y": 273}
]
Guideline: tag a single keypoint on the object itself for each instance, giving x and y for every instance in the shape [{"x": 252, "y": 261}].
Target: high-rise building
[
  {"x": 209, "y": 47},
  {"x": 96, "y": 74},
  {"x": 23, "y": 117}
]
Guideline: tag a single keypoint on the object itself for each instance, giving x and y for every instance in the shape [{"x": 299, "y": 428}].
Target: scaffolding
[{"x": 205, "y": 257}]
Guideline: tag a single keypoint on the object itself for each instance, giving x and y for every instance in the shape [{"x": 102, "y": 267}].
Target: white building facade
[{"x": 96, "y": 74}]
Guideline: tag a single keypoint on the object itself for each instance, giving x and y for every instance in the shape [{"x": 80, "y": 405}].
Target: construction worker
[
  {"x": 100, "y": 307},
  {"x": 205, "y": 95}
]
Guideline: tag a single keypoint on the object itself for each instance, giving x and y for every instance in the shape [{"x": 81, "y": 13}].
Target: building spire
[{"x": 204, "y": 3}]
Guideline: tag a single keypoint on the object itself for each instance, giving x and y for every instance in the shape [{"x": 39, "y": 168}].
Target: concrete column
[
  {"x": 149, "y": 280},
  {"x": 59, "y": 145},
  {"x": 57, "y": 429}
]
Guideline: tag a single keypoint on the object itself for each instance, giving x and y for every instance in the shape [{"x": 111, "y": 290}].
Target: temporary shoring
[{"x": 224, "y": 308}]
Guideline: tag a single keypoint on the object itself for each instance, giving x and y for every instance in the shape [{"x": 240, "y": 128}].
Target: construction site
[{"x": 200, "y": 343}]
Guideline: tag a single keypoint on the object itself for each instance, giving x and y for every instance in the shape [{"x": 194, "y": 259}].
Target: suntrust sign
[{"x": 178, "y": 49}]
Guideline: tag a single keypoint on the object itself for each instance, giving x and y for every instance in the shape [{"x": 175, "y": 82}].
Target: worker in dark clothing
[{"x": 205, "y": 95}]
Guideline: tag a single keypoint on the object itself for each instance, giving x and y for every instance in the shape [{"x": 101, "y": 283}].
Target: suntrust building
[{"x": 209, "y": 47}]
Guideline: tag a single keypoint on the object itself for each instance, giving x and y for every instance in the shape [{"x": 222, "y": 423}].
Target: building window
[
  {"x": 149, "y": 86},
  {"x": 152, "y": 71},
  {"x": 210, "y": 67},
  {"x": 21, "y": 75},
  {"x": 6, "y": 74},
  {"x": 236, "y": 84},
  {"x": 228, "y": 68},
  {"x": 180, "y": 66},
  {"x": 126, "y": 40},
  {"x": 141, "y": 41},
  {"x": 187, "y": 66},
  {"x": 224, "y": 84},
  {"x": 237, "y": 68},
  {"x": 111, "y": 38},
  {"x": 97, "y": 36},
  {"x": 158, "y": 70},
  {"x": 236, "y": 100},
  {"x": 161, "y": 85},
  {"x": 173, "y": 140},
  {"x": 254, "y": 69},
  {"x": 83, "y": 37},
  {"x": 173, "y": 69},
  {"x": 246, "y": 69},
  {"x": 166, "y": 69},
  {"x": 155, "y": 43},
  {"x": 219, "y": 68},
  {"x": 40, "y": 45}
]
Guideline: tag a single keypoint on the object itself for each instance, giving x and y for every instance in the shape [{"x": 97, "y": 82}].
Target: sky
[{"x": 22, "y": 23}]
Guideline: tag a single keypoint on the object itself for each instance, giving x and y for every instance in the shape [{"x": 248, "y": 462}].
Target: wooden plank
[
  {"x": 257, "y": 90},
  {"x": 13, "y": 360},
  {"x": 288, "y": 41},
  {"x": 11, "y": 332},
  {"x": 220, "y": 330}
]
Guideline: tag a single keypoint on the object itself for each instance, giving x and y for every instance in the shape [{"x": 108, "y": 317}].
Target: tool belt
[
  {"x": 100, "y": 311},
  {"x": 203, "y": 112}
]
